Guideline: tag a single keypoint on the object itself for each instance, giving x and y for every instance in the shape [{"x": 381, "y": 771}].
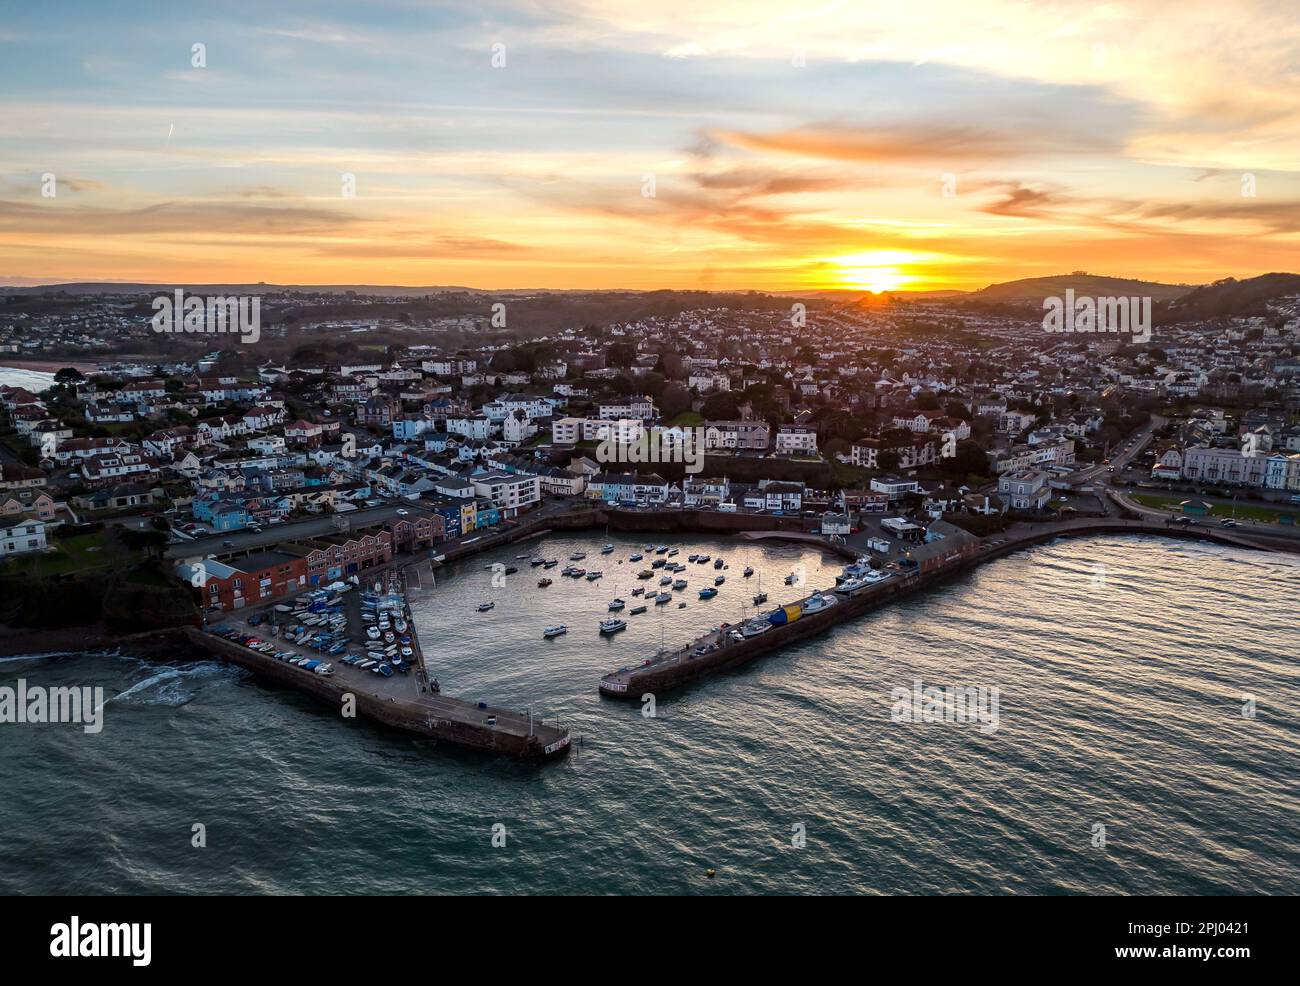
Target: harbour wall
[{"x": 407, "y": 716}]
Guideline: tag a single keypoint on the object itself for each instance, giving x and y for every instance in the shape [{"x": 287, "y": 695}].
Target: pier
[
  {"x": 717, "y": 651},
  {"x": 401, "y": 701}
]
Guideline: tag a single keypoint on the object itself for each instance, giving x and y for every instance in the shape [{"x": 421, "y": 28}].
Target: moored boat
[
  {"x": 543, "y": 583},
  {"x": 708, "y": 592},
  {"x": 555, "y": 631},
  {"x": 663, "y": 597},
  {"x": 484, "y": 607},
  {"x": 616, "y": 604},
  {"x": 635, "y": 610},
  {"x": 612, "y": 626}
]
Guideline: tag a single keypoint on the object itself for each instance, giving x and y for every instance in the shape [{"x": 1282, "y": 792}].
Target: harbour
[{"x": 289, "y": 788}]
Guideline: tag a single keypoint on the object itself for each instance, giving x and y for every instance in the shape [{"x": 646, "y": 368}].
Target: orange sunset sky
[{"x": 928, "y": 144}]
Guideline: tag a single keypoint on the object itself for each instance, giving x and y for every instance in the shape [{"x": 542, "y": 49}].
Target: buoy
[{"x": 710, "y": 873}]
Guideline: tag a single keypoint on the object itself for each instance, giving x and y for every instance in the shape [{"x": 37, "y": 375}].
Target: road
[{"x": 274, "y": 534}]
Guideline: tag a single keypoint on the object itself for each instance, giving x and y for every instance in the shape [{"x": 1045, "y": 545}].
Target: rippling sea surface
[{"x": 1124, "y": 666}]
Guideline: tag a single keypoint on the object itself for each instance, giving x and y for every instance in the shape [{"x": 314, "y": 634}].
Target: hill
[
  {"x": 1035, "y": 289},
  {"x": 1232, "y": 297}
]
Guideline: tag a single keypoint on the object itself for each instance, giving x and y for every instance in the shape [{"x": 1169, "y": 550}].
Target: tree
[
  {"x": 69, "y": 374},
  {"x": 621, "y": 354},
  {"x": 927, "y": 401},
  {"x": 674, "y": 401},
  {"x": 720, "y": 407}
]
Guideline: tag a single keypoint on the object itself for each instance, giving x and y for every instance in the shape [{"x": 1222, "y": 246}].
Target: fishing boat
[
  {"x": 636, "y": 556},
  {"x": 535, "y": 561},
  {"x": 578, "y": 573},
  {"x": 593, "y": 576},
  {"x": 635, "y": 610},
  {"x": 754, "y": 627},
  {"x": 648, "y": 547},
  {"x": 567, "y": 570},
  {"x": 760, "y": 598},
  {"x": 543, "y": 583},
  {"x": 612, "y": 626},
  {"x": 550, "y": 563},
  {"x": 708, "y": 592},
  {"x": 666, "y": 580},
  {"x": 719, "y": 580},
  {"x": 484, "y": 607},
  {"x": 704, "y": 559},
  {"x": 671, "y": 552},
  {"x": 555, "y": 631},
  {"x": 692, "y": 557},
  {"x": 645, "y": 573},
  {"x": 719, "y": 563},
  {"x": 817, "y": 602},
  {"x": 638, "y": 590},
  {"x": 789, "y": 579},
  {"x": 607, "y": 549},
  {"x": 679, "y": 584},
  {"x": 661, "y": 549},
  {"x": 748, "y": 571},
  {"x": 658, "y": 563},
  {"x": 663, "y": 597},
  {"x": 577, "y": 556},
  {"x": 616, "y": 604}
]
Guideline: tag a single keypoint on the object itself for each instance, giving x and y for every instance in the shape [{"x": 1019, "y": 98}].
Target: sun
[{"x": 876, "y": 271}]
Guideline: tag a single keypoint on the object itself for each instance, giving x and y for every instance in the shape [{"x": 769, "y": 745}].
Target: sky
[{"x": 641, "y": 144}]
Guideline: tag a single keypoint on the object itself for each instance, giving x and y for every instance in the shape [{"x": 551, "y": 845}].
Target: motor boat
[
  {"x": 748, "y": 571},
  {"x": 484, "y": 607},
  {"x": 708, "y": 592},
  {"x": 616, "y": 604},
  {"x": 612, "y": 626},
  {"x": 543, "y": 583},
  {"x": 555, "y": 631}
]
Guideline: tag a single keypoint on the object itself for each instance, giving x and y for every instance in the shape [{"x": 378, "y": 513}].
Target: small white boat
[
  {"x": 593, "y": 576},
  {"x": 607, "y": 549},
  {"x": 671, "y": 552},
  {"x": 692, "y": 557},
  {"x": 704, "y": 559},
  {"x": 661, "y": 549},
  {"x": 612, "y": 626},
  {"x": 555, "y": 631},
  {"x": 522, "y": 557},
  {"x": 484, "y": 607},
  {"x": 719, "y": 580},
  {"x": 789, "y": 579},
  {"x": 577, "y": 556},
  {"x": 616, "y": 604},
  {"x": 635, "y": 557}
]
